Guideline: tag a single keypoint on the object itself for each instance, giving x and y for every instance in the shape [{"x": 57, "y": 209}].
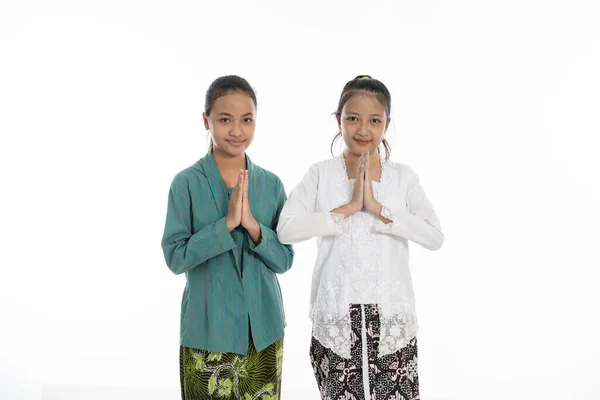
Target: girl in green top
[{"x": 220, "y": 232}]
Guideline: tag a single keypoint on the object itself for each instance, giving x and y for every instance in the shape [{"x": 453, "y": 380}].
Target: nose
[
  {"x": 236, "y": 129},
  {"x": 362, "y": 129}
]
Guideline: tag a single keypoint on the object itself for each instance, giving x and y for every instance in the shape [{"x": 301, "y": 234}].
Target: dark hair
[
  {"x": 365, "y": 84},
  {"x": 225, "y": 85}
]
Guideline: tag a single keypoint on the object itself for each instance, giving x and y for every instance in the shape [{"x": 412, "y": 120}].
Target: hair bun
[{"x": 363, "y": 77}]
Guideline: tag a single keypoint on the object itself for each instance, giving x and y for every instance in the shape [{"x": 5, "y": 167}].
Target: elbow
[
  {"x": 287, "y": 265},
  {"x": 176, "y": 267},
  {"x": 432, "y": 241},
  {"x": 437, "y": 242},
  {"x": 279, "y": 269},
  {"x": 290, "y": 262},
  {"x": 285, "y": 239},
  {"x": 282, "y": 269},
  {"x": 177, "y": 271},
  {"x": 284, "y": 236}
]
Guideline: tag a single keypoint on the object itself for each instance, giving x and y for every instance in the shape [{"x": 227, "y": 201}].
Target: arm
[
  {"x": 414, "y": 220},
  {"x": 183, "y": 249},
  {"x": 299, "y": 221},
  {"x": 277, "y": 257}
]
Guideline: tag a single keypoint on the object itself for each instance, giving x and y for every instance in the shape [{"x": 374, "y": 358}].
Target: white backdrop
[{"x": 495, "y": 105}]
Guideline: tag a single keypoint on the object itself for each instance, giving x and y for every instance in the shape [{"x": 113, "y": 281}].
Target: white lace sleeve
[
  {"x": 387, "y": 213},
  {"x": 337, "y": 219},
  {"x": 299, "y": 221},
  {"x": 414, "y": 218}
]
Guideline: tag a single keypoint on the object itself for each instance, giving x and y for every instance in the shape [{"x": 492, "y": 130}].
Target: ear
[
  {"x": 387, "y": 124},
  {"x": 338, "y": 118},
  {"x": 205, "y": 119}
]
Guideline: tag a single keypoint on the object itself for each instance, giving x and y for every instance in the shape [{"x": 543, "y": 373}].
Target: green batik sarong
[{"x": 229, "y": 376}]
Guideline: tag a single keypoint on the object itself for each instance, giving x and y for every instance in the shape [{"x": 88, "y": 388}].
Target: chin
[
  {"x": 232, "y": 151},
  {"x": 358, "y": 150},
  {"x": 236, "y": 152}
]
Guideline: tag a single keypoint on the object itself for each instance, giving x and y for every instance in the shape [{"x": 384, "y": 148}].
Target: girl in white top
[{"x": 364, "y": 209}]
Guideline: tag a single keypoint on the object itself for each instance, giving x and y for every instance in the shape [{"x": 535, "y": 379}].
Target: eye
[
  {"x": 224, "y": 120},
  {"x": 248, "y": 120},
  {"x": 352, "y": 119},
  {"x": 376, "y": 121}
]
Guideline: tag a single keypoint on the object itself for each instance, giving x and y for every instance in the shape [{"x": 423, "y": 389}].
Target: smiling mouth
[
  {"x": 361, "y": 141},
  {"x": 236, "y": 142}
]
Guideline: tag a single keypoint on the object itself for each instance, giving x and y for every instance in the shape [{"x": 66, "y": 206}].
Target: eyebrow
[
  {"x": 372, "y": 115},
  {"x": 230, "y": 115}
]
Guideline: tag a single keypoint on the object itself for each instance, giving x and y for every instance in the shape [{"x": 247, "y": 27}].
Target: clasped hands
[
  {"x": 238, "y": 212},
  {"x": 362, "y": 194}
]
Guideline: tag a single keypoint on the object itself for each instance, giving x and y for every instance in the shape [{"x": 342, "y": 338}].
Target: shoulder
[
  {"x": 402, "y": 172},
  {"x": 193, "y": 174},
  {"x": 267, "y": 177},
  {"x": 324, "y": 166},
  {"x": 399, "y": 167},
  {"x": 329, "y": 163},
  {"x": 322, "y": 171}
]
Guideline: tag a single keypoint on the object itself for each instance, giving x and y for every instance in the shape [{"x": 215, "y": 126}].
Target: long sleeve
[
  {"x": 183, "y": 249},
  {"x": 298, "y": 220},
  {"x": 415, "y": 218},
  {"x": 278, "y": 257}
]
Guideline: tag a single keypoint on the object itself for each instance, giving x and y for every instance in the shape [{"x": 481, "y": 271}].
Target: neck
[{"x": 227, "y": 162}]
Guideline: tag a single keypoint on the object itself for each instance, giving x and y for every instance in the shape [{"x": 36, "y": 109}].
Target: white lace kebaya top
[{"x": 361, "y": 260}]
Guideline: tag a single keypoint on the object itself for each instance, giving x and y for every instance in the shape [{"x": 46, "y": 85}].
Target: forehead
[
  {"x": 364, "y": 103},
  {"x": 235, "y": 104}
]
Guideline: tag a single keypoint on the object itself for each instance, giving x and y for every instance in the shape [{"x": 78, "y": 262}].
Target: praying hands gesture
[
  {"x": 238, "y": 212},
  {"x": 362, "y": 194},
  {"x": 369, "y": 203}
]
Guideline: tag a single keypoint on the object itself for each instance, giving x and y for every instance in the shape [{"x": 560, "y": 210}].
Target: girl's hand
[
  {"x": 248, "y": 221},
  {"x": 370, "y": 204},
  {"x": 234, "y": 207},
  {"x": 357, "y": 203}
]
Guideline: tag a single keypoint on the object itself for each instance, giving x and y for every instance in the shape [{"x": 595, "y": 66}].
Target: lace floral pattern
[
  {"x": 337, "y": 218},
  {"x": 397, "y": 330},
  {"x": 393, "y": 376},
  {"x": 387, "y": 213},
  {"x": 360, "y": 278}
]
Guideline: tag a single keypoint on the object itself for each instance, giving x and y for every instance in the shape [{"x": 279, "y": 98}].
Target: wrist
[
  {"x": 251, "y": 224},
  {"x": 376, "y": 209},
  {"x": 253, "y": 229},
  {"x": 351, "y": 208},
  {"x": 230, "y": 224}
]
